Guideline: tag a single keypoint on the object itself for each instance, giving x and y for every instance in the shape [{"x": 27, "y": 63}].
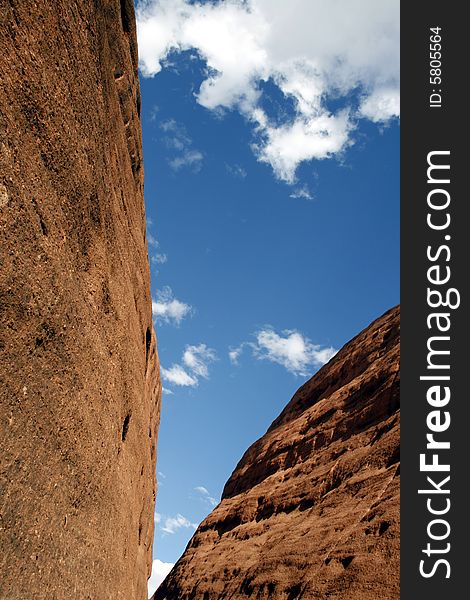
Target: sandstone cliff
[
  {"x": 312, "y": 509},
  {"x": 78, "y": 365}
]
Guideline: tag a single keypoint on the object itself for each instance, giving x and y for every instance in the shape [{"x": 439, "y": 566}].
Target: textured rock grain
[
  {"x": 312, "y": 509},
  {"x": 78, "y": 365}
]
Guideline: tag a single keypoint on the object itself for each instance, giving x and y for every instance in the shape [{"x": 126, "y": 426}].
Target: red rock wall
[
  {"x": 78, "y": 366},
  {"x": 312, "y": 509}
]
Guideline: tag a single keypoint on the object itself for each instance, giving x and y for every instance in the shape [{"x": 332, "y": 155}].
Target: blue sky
[{"x": 269, "y": 249}]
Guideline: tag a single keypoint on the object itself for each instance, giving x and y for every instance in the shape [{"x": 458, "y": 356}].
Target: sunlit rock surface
[
  {"x": 312, "y": 509},
  {"x": 79, "y": 404}
]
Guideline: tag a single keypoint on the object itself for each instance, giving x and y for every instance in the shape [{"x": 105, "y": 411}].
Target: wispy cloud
[
  {"x": 172, "y": 524},
  {"x": 168, "y": 309},
  {"x": 198, "y": 358},
  {"x": 205, "y": 495},
  {"x": 346, "y": 51},
  {"x": 178, "y": 376},
  {"x": 195, "y": 364},
  {"x": 302, "y": 192},
  {"x": 158, "y": 259},
  {"x": 236, "y": 171},
  {"x": 160, "y": 570},
  {"x": 188, "y": 158},
  {"x": 290, "y": 349},
  {"x": 234, "y": 354},
  {"x": 152, "y": 240},
  {"x": 179, "y": 143},
  {"x": 153, "y": 115}
]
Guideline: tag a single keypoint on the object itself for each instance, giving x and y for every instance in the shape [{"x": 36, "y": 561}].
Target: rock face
[
  {"x": 312, "y": 509},
  {"x": 78, "y": 365}
]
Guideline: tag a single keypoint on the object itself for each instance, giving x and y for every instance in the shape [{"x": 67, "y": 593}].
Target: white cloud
[
  {"x": 180, "y": 145},
  {"x": 157, "y": 517},
  {"x": 380, "y": 105},
  {"x": 291, "y": 349},
  {"x": 158, "y": 259},
  {"x": 178, "y": 376},
  {"x": 196, "y": 361},
  {"x": 151, "y": 239},
  {"x": 159, "y": 571},
  {"x": 205, "y": 495},
  {"x": 168, "y": 309},
  {"x": 188, "y": 158},
  {"x": 172, "y": 126},
  {"x": 302, "y": 192},
  {"x": 172, "y": 524},
  {"x": 198, "y": 358},
  {"x": 320, "y": 136},
  {"x": 166, "y": 391},
  {"x": 234, "y": 354},
  {"x": 313, "y": 51}
]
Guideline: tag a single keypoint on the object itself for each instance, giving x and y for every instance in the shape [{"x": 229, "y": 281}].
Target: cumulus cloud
[
  {"x": 168, "y": 309},
  {"x": 381, "y": 103},
  {"x": 172, "y": 524},
  {"x": 195, "y": 364},
  {"x": 313, "y": 51},
  {"x": 316, "y": 137},
  {"x": 290, "y": 349},
  {"x": 160, "y": 570},
  {"x": 180, "y": 145},
  {"x": 205, "y": 495}
]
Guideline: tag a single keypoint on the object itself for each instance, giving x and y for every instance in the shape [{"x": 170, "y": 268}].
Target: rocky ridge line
[{"x": 312, "y": 509}]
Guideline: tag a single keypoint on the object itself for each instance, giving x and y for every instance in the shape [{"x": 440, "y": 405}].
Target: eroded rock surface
[
  {"x": 78, "y": 366},
  {"x": 312, "y": 509}
]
